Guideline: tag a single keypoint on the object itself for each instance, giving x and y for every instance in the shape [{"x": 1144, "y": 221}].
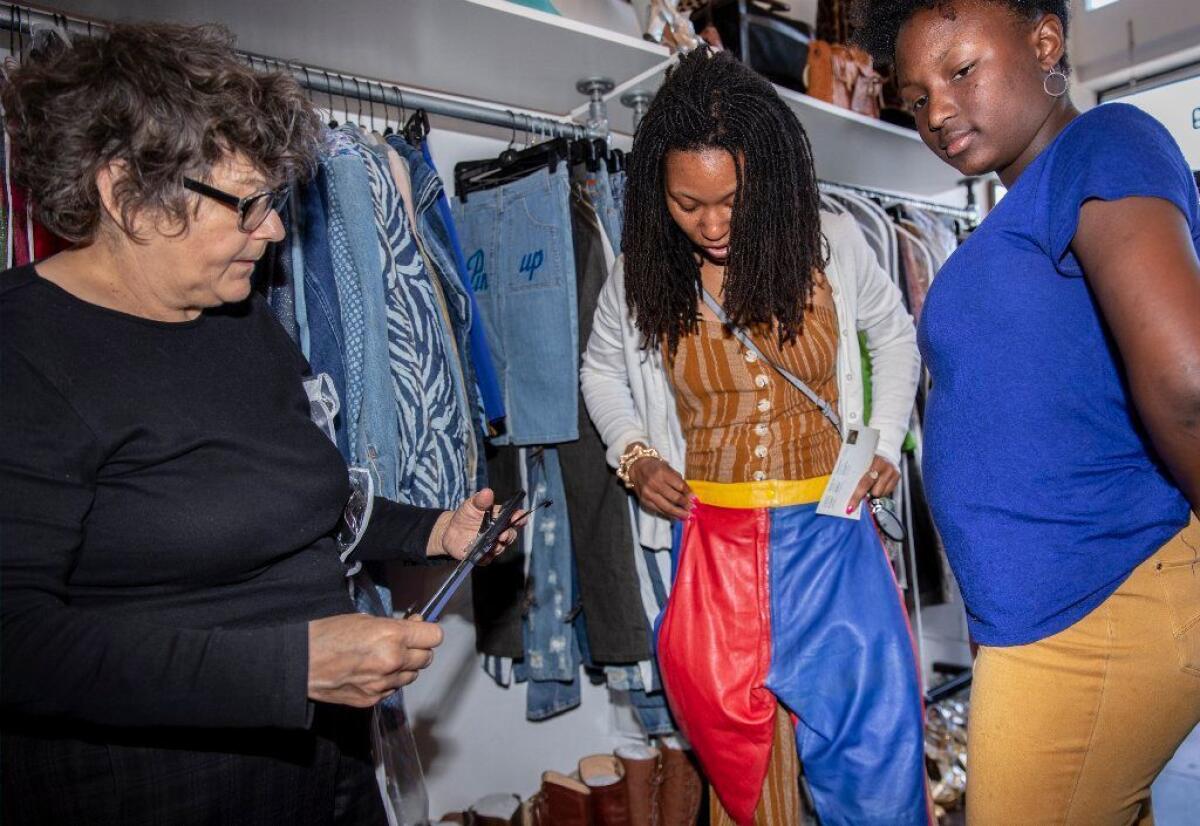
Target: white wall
[
  {"x": 1165, "y": 32},
  {"x": 1177, "y": 107}
]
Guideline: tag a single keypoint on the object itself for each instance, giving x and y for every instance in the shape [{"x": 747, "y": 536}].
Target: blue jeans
[
  {"x": 517, "y": 239},
  {"x": 552, "y": 656},
  {"x": 598, "y": 187},
  {"x": 616, "y": 183}
]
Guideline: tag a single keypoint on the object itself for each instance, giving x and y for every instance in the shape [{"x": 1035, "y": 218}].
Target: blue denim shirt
[{"x": 370, "y": 403}]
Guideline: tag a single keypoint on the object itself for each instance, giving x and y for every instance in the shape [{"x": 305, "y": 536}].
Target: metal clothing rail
[
  {"x": 348, "y": 87},
  {"x": 968, "y": 214},
  {"x": 24, "y": 20}
]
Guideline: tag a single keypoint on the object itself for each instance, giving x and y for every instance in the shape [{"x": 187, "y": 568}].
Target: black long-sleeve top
[{"x": 166, "y": 516}]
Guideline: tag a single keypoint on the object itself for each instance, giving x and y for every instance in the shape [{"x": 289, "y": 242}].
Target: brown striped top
[{"x": 744, "y": 422}]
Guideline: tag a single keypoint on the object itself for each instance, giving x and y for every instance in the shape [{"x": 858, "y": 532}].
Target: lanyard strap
[{"x": 825, "y": 407}]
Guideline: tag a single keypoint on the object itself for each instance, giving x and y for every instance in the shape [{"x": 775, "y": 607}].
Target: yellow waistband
[{"x": 770, "y": 493}]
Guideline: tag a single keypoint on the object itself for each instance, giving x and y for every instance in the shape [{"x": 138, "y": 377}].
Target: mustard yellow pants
[{"x": 1074, "y": 728}]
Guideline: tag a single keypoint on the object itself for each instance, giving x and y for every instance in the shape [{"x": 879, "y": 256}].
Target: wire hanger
[
  {"x": 333, "y": 124},
  {"x": 345, "y": 99},
  {"x": 371, "y": 107},
  {"x": 358, "y": 95},
  {"x": 309, "y": 89},
  {"x": 387, "y": 125}
]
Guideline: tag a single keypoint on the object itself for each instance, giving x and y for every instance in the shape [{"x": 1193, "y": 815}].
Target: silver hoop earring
[{"x": 1056, "y": 84}]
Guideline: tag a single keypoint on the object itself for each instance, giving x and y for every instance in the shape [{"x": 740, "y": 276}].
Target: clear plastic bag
[{"x": 397, "y": 764}]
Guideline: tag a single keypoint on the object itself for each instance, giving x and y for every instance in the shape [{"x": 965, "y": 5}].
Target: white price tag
[{"x": 854, "y": 460}]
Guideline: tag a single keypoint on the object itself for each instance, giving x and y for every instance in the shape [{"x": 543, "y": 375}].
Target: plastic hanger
[
  {"x": 475, "y": 176},
  {"x": 417, "y": 128},
  {"x": 387, "y": 124},
  {"x": 333, "y": 124}
]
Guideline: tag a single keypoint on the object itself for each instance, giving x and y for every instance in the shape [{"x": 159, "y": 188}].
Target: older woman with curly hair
[
  {"x": 178, "y": 642},
  {"x": 1063, "y": 428}
]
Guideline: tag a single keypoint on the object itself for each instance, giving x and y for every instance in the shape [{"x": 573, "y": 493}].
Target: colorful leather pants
[{"x": 784, "y": 605}]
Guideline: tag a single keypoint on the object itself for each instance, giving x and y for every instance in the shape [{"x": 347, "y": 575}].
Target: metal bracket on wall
[
  {"x": 639, "y": 101},
  {"x": 596, "y": 88}
]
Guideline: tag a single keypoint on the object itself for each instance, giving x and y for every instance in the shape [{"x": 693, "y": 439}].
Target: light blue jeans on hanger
[
  {"x": 517, "y": 240},
  {"x": 598, "y": 187},
  {"x": 552, "y": 656}
]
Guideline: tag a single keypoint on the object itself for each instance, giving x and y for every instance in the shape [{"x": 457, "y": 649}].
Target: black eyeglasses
[{"x": 252, "y": 210}]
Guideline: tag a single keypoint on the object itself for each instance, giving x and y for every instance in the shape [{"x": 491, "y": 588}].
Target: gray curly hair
[{"x": 161, "y": 100}]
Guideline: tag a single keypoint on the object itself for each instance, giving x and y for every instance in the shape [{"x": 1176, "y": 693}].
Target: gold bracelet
[{"x": 631, "y": 456}]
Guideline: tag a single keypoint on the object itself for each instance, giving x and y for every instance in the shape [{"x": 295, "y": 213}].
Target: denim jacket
[{"x": 370, "y": 404}]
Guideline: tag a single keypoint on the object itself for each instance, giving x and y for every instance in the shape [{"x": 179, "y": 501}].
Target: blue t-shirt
[{"x": 1043, "y": 483}]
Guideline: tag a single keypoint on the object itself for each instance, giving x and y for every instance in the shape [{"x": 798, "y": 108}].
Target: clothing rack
[
  {"x": 967, "y": 214},
  {"x": 24, "y": 20}
]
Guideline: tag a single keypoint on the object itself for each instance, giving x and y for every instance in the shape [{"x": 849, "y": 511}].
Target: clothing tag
[
  {"x": 854, "y": 460},
  {"x": 323, "y": 403}
]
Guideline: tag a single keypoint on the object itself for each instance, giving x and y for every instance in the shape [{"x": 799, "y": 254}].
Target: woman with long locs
[{"x": 784, "y": 635}]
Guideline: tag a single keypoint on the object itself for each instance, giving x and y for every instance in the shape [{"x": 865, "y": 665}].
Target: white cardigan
[{"x": 628, "y": 393}]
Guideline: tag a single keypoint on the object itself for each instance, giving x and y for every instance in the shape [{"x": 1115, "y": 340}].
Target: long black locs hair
[{"x": 712, "y": 101}]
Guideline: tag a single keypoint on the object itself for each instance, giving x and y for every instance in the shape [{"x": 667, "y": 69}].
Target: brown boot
[
  {"x": 679, "y": 797},
  {"x": 604, "y": 776},
  {"x": 643, "y": 777},
  {"x": 562, "y": 802}
]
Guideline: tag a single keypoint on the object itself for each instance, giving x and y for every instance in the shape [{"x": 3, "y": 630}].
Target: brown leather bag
[
  {"x": 819, "y": 74},
  {"x": 844, "y": 76}
]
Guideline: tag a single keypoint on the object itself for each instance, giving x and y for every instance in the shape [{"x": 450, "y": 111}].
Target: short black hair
[
  {"x": 776, "y": 250},
  {"x": 878, "y": 22}
]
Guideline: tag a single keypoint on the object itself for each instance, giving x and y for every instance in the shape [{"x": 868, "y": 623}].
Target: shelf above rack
[
  {"x": 856, "y": 149},
  {"x": 488, "y": 50},
  {"x": 846, "y": 146},
  {"x": 513, "y": 56}
]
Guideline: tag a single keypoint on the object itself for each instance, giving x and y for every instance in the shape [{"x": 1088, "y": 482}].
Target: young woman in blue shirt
[{"x": 1063, "y": 426}]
